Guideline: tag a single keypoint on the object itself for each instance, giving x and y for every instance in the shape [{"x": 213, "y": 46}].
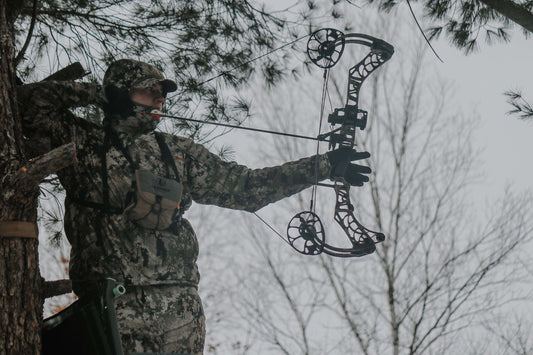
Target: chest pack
[{"x": 153, "y": 201}]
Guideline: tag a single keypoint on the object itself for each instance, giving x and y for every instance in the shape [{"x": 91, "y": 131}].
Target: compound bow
[{"x": 305, "y": 232}]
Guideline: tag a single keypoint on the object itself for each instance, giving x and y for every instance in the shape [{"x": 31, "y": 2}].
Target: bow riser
[
  {"x": 380, "y": 52},
  {"x": 351, "y": 117}
]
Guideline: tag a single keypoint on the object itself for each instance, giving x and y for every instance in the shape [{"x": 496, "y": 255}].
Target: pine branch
[
  {"x": 521, "y": 107},
  {"x": 513, "y": 11}
]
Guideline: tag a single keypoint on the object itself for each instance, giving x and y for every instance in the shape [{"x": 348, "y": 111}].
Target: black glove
[
  {"x": 341, "y": 166},
  {"x": 118, "y": 102}
]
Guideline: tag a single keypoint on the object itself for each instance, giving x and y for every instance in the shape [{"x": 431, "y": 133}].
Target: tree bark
[
  {"x": 20, "y": 280},
  {"x": 21, "y": 285},
  {"x": 513, "y": 11}
]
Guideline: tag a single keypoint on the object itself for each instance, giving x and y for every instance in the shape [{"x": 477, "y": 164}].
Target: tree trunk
[
  {"x": 513, "y": 11},
  {"x": 20, "y": 281},
  {"x": 21, "y": 286}
]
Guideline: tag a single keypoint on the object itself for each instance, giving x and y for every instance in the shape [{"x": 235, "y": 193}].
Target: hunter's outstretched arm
[{"x": 228, "y": 184}]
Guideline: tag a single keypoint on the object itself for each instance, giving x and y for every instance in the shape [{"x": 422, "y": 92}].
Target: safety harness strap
[
  {"x": 166, "y": 155},
  {"x": 111, "y": 139}
]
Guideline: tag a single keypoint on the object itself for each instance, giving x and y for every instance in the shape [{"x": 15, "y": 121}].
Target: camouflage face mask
[{"x": 142, "y": 120}]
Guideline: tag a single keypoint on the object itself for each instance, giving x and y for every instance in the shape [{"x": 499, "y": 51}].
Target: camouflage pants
[{"x": 161, "y": 319}]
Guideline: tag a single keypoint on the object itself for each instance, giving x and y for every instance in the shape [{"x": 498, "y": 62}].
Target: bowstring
[
  {"x": 225, "y": 72},
  {"x": 315, "y": 185},
  {"x": 312, "y": 207},
  {"x": 322, "y": 107}
]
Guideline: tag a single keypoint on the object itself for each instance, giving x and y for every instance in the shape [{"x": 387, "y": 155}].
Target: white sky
[{"x": 480, "y": 80}]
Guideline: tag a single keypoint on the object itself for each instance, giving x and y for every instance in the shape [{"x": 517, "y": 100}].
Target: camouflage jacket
[{"x": 109, "y": 245}]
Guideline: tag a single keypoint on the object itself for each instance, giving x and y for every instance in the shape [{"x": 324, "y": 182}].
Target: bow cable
[
  {"x": 272, "y": 228},
  {"x": 252, "y": 60}
]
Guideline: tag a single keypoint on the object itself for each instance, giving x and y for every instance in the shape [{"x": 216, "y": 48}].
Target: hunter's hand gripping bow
[{"x": 305, "y": 231}]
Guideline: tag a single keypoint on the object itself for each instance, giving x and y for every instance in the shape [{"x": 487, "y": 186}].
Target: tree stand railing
[{"x": 88, "y": 326}]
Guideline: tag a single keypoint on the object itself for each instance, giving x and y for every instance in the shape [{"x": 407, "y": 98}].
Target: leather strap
[{"x": 18, "y": 229}]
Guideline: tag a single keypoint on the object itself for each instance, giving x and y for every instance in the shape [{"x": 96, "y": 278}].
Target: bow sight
[{"x": 305, "y": 231}]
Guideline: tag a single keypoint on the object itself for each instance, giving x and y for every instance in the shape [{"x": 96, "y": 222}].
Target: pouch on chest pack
[{"x": 154, "y": 201}]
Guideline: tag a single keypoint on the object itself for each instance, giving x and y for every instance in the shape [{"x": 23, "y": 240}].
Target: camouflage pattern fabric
[
  {"x": 128, "y": 74},
  {"x": 159, "y": 266},
  {"x": 161, "y": 319}
]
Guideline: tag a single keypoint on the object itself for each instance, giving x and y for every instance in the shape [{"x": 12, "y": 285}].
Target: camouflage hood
[
  {"x": 120, "y": 78},
  {"x": 129, "y": 74}
]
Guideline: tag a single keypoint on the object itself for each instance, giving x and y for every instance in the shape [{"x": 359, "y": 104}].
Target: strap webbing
[
  {"x": 18, "y": 229},
  {"x": 166, "y": 155}
]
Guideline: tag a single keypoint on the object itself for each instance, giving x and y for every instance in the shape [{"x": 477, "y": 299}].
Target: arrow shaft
[{"x": 241, "y": 127}]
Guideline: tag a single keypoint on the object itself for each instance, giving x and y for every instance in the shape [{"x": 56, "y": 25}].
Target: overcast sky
[{"x": 481, "y": 79}]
